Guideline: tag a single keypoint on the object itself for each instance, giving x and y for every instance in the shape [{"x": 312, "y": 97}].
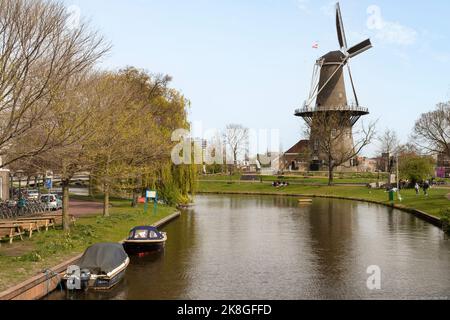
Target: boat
[
  {"x": 101, "y": 267},
  {"x": 144, "y": 239}
]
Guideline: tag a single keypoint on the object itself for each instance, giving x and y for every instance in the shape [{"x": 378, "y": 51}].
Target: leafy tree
[{"x": 416, "y": 168}]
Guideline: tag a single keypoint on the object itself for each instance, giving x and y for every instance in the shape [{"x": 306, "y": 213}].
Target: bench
[
  {"x": 58, "y": 218},
  {"x": 27, "y": 226},
  {"x": 41, "y": 222},
  {"x": 10, "y": 231}
]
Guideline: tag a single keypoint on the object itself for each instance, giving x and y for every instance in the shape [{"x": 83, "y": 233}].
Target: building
[
  {"x": 296, "y": 158},
  {"x": 443, "y": 166},
  {"x": 328, "y": 100},
  {"x": 367, "y": 165}
]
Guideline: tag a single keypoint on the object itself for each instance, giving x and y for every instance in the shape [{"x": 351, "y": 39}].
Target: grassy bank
[
  {"x": 433, "y": 204},
  {"x": 304, "y": 179},
  {"x": 23, "y": 260}
]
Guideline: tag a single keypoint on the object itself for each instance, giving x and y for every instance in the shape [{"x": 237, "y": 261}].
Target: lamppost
[{"x": 398, "y": 171}]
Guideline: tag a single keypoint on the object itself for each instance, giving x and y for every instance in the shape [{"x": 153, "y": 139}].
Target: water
[{"x": 250, "y": 247}]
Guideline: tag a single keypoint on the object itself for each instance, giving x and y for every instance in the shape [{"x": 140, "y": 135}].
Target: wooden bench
[
  {"x": 41, "y": 222},
  {"x": 58, "y": 218},
  {"x": 10, "y": 231},
  {"x": 27, "y": 226}
]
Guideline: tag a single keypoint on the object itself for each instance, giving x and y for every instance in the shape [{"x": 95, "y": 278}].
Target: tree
[
  {"x": 39, "y": 57},
  {"x": 388, "y": 142},
  {"x": 133, "y": 143},
  {"x": 333, "y": 129},
  {"x": 76, "y": 120},
  {"x": 236, "y": 137},
  {"x": 416, "y": 168},
  {"x": 390, "y": 145},
  {"x": 432, "y": 130}
]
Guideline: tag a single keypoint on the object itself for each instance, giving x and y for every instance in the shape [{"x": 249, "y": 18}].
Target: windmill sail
[
  {"x": 340, "y": 28},
  {"x": 359, "y": 48}
]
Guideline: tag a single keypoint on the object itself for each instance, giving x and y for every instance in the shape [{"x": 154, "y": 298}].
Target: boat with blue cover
[{"x": 144, "y": 239}]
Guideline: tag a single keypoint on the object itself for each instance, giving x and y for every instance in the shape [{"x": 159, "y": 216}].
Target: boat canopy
[
  {"x": 145, "y": 233},
  {"x": 102, "y": 258}
]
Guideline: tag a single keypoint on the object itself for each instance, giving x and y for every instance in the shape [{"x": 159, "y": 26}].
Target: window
[
  {"x": 153, "y": 234},
  {"x": 141, "y": 234},
  {"x": 316, "y": 145}
]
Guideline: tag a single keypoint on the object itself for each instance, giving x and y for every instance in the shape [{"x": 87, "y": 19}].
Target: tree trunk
[
  {"x": 134, "y": 203},
  {"x": 65, "y": 211},
  {"x": 106, "y": 200},
  {"x": 91, "y": 187},
  {"x": 330, "y": 175}
]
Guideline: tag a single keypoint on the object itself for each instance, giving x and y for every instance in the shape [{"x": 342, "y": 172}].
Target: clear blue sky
[{"x": 250, "y": 61}]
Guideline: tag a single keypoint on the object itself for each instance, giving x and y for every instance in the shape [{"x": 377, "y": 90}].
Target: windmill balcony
[{"x": 352, "y": 109}]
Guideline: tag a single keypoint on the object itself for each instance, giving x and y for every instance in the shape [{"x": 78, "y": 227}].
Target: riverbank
[
  {"x": 431, "y": 205},
  {"x": 23, "y": 260}
]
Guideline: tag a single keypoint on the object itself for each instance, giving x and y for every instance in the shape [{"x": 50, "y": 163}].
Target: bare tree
[
  {"x": 432, "y": 131},
  {"x": 236, "y": 137},
  {"x": 334, "y": 130},
  {"x": 39, "y": 57},
  {"x": 388, "y": 142}
]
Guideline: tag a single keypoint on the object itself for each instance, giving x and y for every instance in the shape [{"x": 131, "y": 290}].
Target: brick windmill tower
[{"x": 328, "y": 94}]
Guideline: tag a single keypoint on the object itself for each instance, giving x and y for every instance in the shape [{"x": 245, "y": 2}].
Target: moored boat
[
  {"x": 101, "y": 267},
  {"x": 144, "y": 239}
]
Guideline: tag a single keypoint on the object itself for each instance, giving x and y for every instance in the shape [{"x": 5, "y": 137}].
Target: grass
[
  {"x": 22, "y": 260},
  {"x": 433, "y": 204},
  {"x": 305, "y": 179}
]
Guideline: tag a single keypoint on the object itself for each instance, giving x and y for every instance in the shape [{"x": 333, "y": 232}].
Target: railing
[{"x": 347, "y": 108}]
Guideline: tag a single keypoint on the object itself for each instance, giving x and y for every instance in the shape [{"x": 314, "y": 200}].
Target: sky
[{"x": 250, "y": 61}]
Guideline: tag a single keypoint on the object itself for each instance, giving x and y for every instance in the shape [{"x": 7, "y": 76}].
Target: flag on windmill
[{"x": 315, "y": 45}]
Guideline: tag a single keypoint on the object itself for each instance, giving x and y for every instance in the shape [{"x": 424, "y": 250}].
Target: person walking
[
  {"x": 426, "y": 186},
  {"x": 417, "y": 187}
]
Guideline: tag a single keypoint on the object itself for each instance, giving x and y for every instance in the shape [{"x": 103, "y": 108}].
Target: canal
[{"x": 251, "y": 247}]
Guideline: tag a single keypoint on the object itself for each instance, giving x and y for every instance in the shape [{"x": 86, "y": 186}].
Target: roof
[
  {"x": 334, "y": 56},
  {"x": 148, "y": 228},
  {"x": 299, "y": 147}
]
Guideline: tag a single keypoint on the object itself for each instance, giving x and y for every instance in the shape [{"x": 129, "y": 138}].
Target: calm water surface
[{"x": 250, "y": 247}]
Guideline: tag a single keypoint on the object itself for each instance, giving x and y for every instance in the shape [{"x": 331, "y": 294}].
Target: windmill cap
[{"x": 334, "y": 56}]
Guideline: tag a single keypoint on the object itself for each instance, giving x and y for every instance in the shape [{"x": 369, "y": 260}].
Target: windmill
[{"x": 328, "y": 92}]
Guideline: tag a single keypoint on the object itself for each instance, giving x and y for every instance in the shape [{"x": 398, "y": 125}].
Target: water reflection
[{"x": 249, "y": 247}]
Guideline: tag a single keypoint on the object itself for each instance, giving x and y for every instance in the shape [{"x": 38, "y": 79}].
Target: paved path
[
  {"x": 85, "y": 208},
  {"x": 80, "y": 208}
]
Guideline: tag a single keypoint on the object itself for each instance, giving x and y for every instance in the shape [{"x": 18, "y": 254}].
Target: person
[
  {"x": 417, "y": 187},
  {"x": 426, "y": 186}
]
